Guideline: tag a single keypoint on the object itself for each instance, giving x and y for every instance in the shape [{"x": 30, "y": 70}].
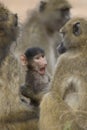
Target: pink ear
[{"x": 23, "y": 60}]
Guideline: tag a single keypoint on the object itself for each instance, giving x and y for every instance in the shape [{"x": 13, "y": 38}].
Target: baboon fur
[
  {"x": 14, "y": 113},
  {"x": 35, "y": 86},
  {"x": 42, "y": 26},
  {"x": 65, "y": 106}
]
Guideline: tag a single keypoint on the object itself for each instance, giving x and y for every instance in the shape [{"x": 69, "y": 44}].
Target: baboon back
[{"x": 65, "y": 105}]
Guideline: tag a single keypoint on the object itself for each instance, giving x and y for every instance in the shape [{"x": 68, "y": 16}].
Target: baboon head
[
  {"x": 8, "y": 26},
  {"x": 54, "y": 13},
  {"x": 74, "y": 34}
]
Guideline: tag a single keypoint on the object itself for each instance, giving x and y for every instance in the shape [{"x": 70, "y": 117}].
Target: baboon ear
[
  {"x": 76, "y": 29},
  {"x": 23, "y": 60},
  {"x": 42, "y": 5}
]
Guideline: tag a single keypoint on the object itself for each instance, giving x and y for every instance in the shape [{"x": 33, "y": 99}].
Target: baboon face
[
  {"x": 55, "y": 13},
  {"x": 8, "y": 26},
  {"x": 74, "y": 34},
  {"x": 39, "y": 63}
]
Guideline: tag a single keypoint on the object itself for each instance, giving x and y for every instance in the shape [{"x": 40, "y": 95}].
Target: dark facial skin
[{"x": 61, "y": 49}]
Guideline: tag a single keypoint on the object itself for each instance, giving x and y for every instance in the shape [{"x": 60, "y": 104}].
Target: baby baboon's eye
[{"x": 76, "y": 29}]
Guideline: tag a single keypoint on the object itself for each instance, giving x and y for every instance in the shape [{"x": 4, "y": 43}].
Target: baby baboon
[
  {"x": 14, "y": 113},
  {"x": 69, "y": 83},
  {"x": 41, "y": 28},
  {"x": 37, "y": 79}
]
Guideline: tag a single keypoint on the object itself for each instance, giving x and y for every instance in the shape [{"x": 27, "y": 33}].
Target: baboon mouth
[{"x": 42, "y": 70}]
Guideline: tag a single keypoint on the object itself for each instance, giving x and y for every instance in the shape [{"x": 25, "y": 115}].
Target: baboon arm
[
  {"x": 20, "y": 116},
  {"x": 28, "y": 92},
  {"x": 55, "y": 114}
]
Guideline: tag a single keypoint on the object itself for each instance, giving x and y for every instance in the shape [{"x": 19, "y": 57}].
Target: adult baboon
[
  {"x": 15, "y": 114},
  {"x": 69, "y": 83},
  {"x": 41, "y": 28}
]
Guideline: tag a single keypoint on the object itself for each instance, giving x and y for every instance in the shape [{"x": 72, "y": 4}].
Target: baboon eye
[
  {"x": 76, "y": 29},
  {"x": 42, "y": 6}
]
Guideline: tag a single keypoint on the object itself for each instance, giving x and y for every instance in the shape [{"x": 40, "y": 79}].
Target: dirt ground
[{"x": 21, "y": 7}]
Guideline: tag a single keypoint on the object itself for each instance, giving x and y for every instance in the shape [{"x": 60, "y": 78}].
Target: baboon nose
[{"x": 16, "y": 16}]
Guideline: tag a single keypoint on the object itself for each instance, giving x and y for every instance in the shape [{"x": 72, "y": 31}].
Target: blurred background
[{"x": 21, "y": 7}]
